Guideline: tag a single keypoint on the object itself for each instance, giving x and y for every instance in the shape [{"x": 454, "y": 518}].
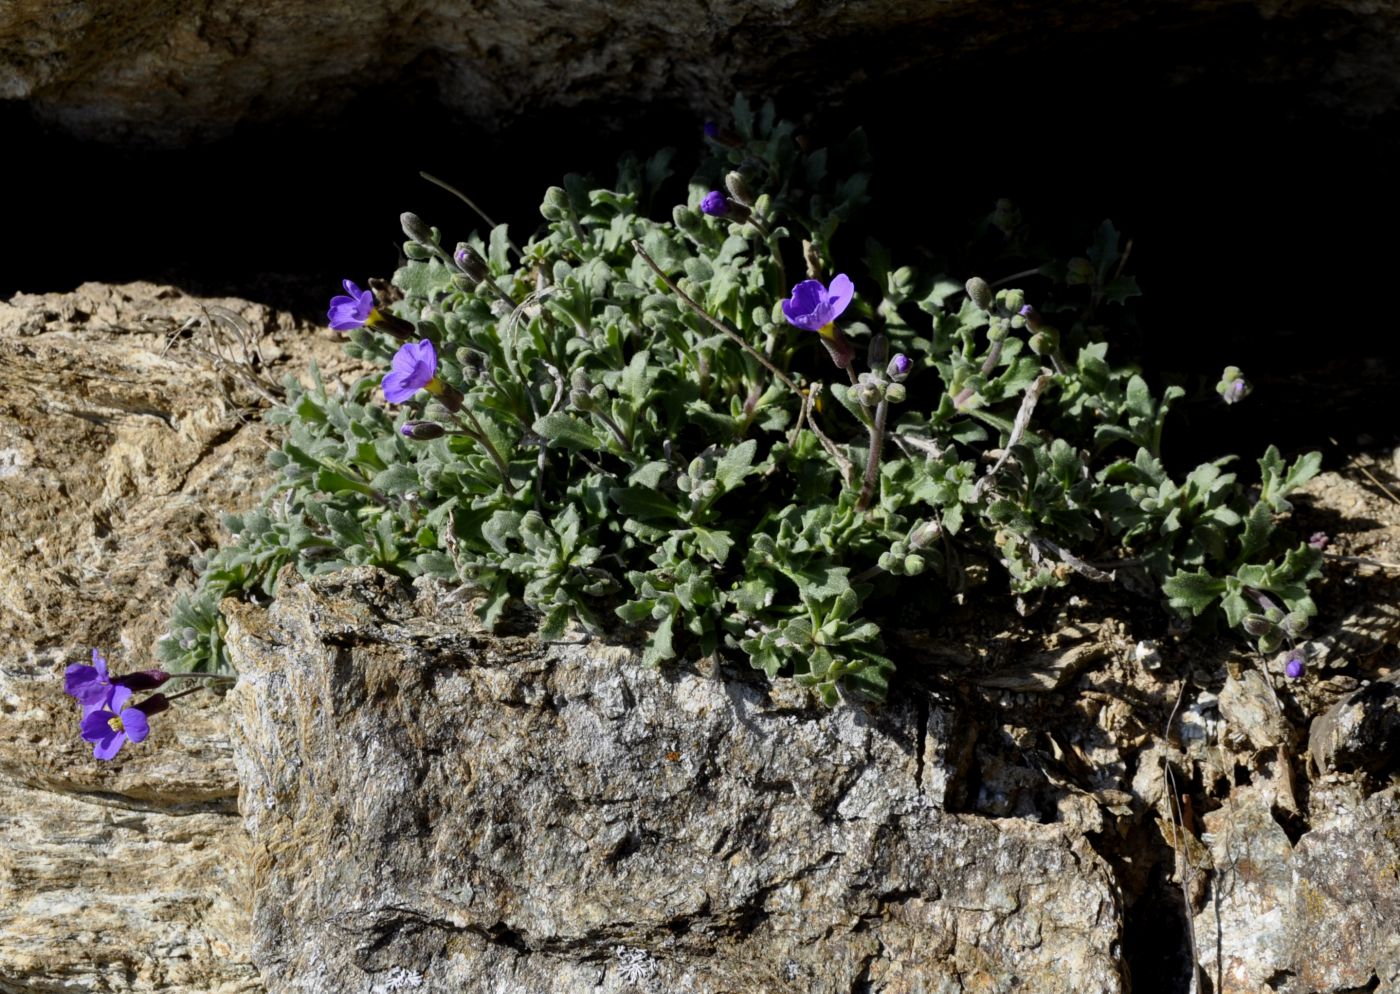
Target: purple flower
[
  {"x": 715, "y": 204},
  {"x": 899, "y": 367},
  {"x": 1294, "y": 669},
  {"x": 711, "y": 129},
  {"x": 1319, "y": 541},
  {"x": 111, "y": 725},
  {"x": 813, "y": 307},
  {"x": 353, "y": 311},
  {"x": 1234, "y": 392},
  {"x": 91, "y": 685},
  {"x": 413, "y": 368}
]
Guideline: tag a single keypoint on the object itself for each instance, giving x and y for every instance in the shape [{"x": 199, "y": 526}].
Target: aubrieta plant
[{"x": 712, "y": 429}]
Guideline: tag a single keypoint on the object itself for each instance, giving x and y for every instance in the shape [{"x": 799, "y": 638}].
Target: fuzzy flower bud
[
  {"x": 979, "y": 292},
  {"x": 869, "y": 394},
  {"x": 1013, "y": 300},
  {"x": 738, "y": 188},
  {"x": 470, "y": 262},
  {"x": 556, "y": 204},
  {"x": 422, "y": 431},
  {"x": 715, "y": 204},
  {"x": 895, "y": 393},
  {"x": 415, "y": 229},
  {"x": 1294, "y": 669},
  {"x": 1045, "y": 341},
  {"x": 1233, "y": 387},
  {"x": 899, "y": 367}
]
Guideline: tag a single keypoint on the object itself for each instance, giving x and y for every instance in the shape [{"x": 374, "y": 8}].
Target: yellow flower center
[
  {"x": 115, "y": 723},
  {"x": 828, "y": 330},
  {"x": 435, "y": 387}
]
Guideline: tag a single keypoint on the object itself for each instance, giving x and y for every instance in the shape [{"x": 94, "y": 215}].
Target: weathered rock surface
[
  {"x": 1317, "y": 916},
  {"x": 173, "y": 71},
  {"x": 1361, "y": 731},
  {"x": 117, "y": 451},
  {"x": 433, "y": 808}
]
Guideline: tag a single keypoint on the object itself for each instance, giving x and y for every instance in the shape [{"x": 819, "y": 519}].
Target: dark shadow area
[{"x": 1258, "y": 215}]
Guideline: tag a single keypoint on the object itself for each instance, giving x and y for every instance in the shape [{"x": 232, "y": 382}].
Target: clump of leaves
[{"x": 620, "y": 423}]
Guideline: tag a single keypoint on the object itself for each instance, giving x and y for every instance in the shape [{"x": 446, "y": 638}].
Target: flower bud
[
  {"x": 470, "y": 261},
  {"x": 556, "y": 204},
  {"x": 422, "y": 431},
  {"x": 1046, "y": 341},
  {"x": 914, "y": 564},
  {"x": 869, "y": 394},
  {"x": 141, "y": 680},
  {"x": 581, "y": 400},
  {"x": 1257, "y": 625},
  {"x": 715, "y": 204},
  {"x": 1013, "y": 300},
  {"x": 924, "y": 534},
  {"x": 1233, "y": 387},
  {"x": 879, "y": 348},
  {"x": 738, "y": 188},
  {"x": 997, "y": 330},
  {"x": 153, "y": 705},
  {"x": 1294, "y": 669},
  {"x": 899, "y": 367},
  {"x": 415, "y": 228},
  {"x": 895, "y": 393},
  {"x": 979, "y": 293},
  {"x": 1318, "y": 541}
]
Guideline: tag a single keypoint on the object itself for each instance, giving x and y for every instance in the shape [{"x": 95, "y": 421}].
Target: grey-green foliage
[{"x": 660, "y": 474}]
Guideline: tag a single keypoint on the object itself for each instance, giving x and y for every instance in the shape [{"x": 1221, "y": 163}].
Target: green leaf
[
  {"x": 568, "y": 432},
  {"x": 659, "y": 647},
  {"x": 1192, "y": 593},
  {"x": 735, "y": 464},
  {"x": 643, "y": 502},
  {"x": 424, "y": 279},
  {"x": 714, "y": 545}
]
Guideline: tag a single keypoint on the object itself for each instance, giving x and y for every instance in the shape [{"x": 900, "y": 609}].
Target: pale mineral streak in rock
[
  {"x": 118, "y": 450},
  {"x": 496, "y": 814}
]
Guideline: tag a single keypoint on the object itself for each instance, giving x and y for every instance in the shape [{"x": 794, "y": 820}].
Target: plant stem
[
  {"x": 877, "y": 445},
  {"x": 480, "y": 436},
  {"x": 714, "y": 321}
]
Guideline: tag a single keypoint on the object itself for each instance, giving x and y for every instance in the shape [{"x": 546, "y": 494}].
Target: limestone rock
[
  {"x": 171, "y": 72},
  {"x": 118, "y": 448},
  {"x": 432, "y": 808}
]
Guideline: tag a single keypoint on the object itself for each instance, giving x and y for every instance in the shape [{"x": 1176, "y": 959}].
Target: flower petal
[
  {"x": 800, "y": 309},
  {"x": 351, "y": 288},
  {"x": 96, "y": 725},
  {"x": 77, "y": 679},
  {"x": 135, "y": 723},
  {"x": 119, "y": 697},
  {"x": 108, "y": 748},
  {"x": 397, "y": 387},
  {"x": 838, "y": 298}
]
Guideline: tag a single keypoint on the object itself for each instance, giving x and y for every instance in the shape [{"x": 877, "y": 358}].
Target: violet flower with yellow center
[
  {"x": 413, "y": 368},
  {"x": 353, "y": 309},
  {"x": 112, "y": 725},
  {"x": 814, "y": 307}
]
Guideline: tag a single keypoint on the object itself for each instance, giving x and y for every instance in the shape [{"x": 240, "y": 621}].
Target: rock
[
  {"x": 117, "y": 451},
  {"x": 434, "y": 808},
  {"x": 177, "y": 72},
  {"x": 1289, "y": 918},
  {"x": 1361, "y": 732}
]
